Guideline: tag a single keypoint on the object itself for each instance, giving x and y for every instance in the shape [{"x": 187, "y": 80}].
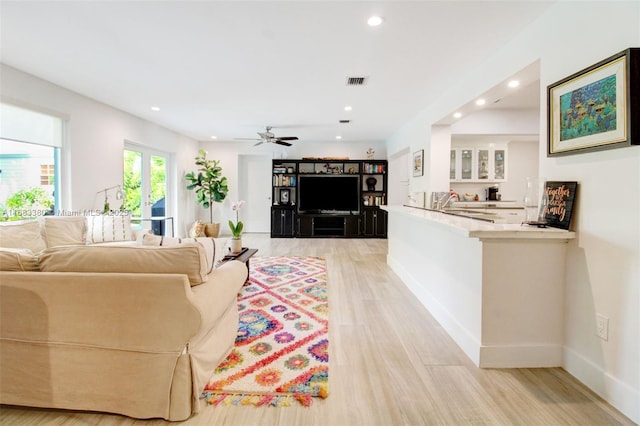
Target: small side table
[{"x": 243, "y": 256}]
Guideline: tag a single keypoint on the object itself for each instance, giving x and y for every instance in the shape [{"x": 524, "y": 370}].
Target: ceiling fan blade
[
  {"x": 247, "y": 139},
  {"x": 280, "y": 142},
  {"x": 259, "y": 143},
  {"x": 288, "y": 138}
]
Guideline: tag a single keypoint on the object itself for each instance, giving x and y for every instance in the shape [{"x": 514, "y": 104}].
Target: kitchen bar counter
[
  {"x": 496, "y": 288},
  {"x": 470, "y": 227}
]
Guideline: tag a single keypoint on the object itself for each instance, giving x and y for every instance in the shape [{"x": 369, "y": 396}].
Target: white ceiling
[{"x": 228, "y": 68}]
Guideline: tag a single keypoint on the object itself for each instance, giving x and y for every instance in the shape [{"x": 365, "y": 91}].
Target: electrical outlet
[{"x": 602, "y": 327}]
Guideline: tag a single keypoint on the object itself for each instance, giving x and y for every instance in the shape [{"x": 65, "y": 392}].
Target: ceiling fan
[{"x": 268, "y": 137}]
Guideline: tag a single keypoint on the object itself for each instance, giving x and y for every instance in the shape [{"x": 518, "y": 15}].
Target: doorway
[
  {"x": 254, "y": 177},
  {"x": 145, "y": 185},
  {"x": 399, "y": 178}
]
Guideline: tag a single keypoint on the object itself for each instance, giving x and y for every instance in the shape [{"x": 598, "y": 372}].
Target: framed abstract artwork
[
  {"x": 418, "y": 163},
  {"x": 596, "y": 108}
]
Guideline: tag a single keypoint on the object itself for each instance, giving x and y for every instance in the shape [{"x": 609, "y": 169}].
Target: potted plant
[
  {"x": 236, "y": 229},
  {"x": 210, "y": 187}
]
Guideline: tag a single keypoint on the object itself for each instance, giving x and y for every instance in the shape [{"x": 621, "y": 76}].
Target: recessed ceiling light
[
  {"x": 457, "y": 115},
  {"x": 155, "y": 108},
  {"x": 480, "y": 102},
  {"x": 338, "y": 137},
  {"x": 214, "y": 137},
  {"x": 374, "y": 21},
  {"x": 514, "y": 83},
  {"x": 348, "y": 108}
]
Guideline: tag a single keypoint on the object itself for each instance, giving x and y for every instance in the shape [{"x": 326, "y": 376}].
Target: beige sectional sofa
[{"x": 119, "y": 327}]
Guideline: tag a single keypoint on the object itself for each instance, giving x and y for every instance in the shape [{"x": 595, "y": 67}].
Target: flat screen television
[{"x": 328, "y": 193}]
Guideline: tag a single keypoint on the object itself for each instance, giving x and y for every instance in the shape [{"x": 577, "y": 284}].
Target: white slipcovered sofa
[{"x": 118, "y": 326}]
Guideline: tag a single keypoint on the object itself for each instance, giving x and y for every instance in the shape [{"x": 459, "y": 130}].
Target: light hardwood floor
[{"x": 390, "y": 364}]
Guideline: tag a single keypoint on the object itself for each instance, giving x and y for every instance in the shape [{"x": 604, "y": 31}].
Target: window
[
  {"x": 30, "y": 144},
  {"x": 27, "y": 180}
]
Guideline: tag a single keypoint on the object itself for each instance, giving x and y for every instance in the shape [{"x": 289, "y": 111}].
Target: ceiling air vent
[
  {"x": 356, "y": 81},
  {"x": 345, "y": 121}
]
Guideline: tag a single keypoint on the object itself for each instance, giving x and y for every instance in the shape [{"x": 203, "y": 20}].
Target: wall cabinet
[
  {"x": 480, "y": 164},
  {"x": 283, "y": 222},
  {"x": 374, "y": 223}
]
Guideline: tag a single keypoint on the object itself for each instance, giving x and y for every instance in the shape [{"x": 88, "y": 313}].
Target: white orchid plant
[{"x": 236, "y": 229}]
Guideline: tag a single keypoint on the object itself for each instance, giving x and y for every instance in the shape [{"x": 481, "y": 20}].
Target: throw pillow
[
  {"x": 22, "y": 234},
  {"x": 214, "y": 247},
  {"x": 64, "y": 230},
  {"x": 12, "y": 259},
  {"x": 187, "y": 259},
  {"x": 110, "y": 227}
]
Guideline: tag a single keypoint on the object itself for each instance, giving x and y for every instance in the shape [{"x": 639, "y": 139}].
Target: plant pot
[
  {"x": 236, "y": 245},
  {"x": 212, "y": 230}
]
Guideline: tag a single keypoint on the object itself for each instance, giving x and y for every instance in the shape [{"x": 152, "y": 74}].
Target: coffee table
[{"x": 243, "y": 256}]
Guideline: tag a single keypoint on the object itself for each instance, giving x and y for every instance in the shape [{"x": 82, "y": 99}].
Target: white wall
[
  {"x": 602, "y": 266},
  {"x": 95, "y": 137}
]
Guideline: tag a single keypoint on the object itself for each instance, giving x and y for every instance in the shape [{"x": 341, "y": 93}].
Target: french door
[{"x": 145, "y": 181}]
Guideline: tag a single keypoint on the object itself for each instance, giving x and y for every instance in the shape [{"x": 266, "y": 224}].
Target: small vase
[
  {"x": 236, "y": 244},
  {"x": 535, "y": 200},
  {"x": 212, "y": 230}
]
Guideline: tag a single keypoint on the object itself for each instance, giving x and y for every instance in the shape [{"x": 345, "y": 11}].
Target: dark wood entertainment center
[{"x": 329, "y": 198}]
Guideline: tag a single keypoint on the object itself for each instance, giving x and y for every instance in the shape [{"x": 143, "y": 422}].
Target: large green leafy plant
[{"x": 208, "y": 183}]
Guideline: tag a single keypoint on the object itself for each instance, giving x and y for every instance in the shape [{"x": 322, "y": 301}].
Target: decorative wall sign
[
  {"x": 559, "y": 210},
  {"x": 418, "y": 163},
  {"x": 596, "y": 108}
]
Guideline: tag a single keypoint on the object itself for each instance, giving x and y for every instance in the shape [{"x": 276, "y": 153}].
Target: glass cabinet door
[
  {"x": 466, "y": 169},
  {"x": 483, "y": 164},
  {"x": 452, "y": 165},
  {"x": 499, "y": 163}
]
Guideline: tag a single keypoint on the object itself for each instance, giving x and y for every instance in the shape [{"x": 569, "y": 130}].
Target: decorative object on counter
[
  {"x": 370, "y": 153},
  {"x": 596, "y": 108},
  {"x": 236, "y": 229},
  {"x": 210, "y": 187},
  {"x": 418, "y": 163},
  {"x": 561, "y": 198},
  {"x": 535, "y": 201}
]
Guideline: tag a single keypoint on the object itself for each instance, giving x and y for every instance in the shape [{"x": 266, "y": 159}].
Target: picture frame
[
  {"x": 418, "y": 163},
  {"x": 596, "y": 108},
  {"x": 285, "y": 196},
  {"x": 561, "y": 198}
]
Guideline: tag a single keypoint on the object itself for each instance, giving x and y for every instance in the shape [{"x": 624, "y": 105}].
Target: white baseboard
[
  {"x": 529, "y": 356},
  {"x": 611, "y": 389}
]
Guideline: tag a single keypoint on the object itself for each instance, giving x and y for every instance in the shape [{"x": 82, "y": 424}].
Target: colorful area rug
[{"x": 281, "y": 353}]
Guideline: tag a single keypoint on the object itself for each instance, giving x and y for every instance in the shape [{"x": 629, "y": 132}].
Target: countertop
[{"x": 478, "y": 228}]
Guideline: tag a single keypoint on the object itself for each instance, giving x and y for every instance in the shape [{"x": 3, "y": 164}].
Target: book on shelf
[
  {"x": 373, "y": 168},
  {"x": 284, "y": 180}
]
